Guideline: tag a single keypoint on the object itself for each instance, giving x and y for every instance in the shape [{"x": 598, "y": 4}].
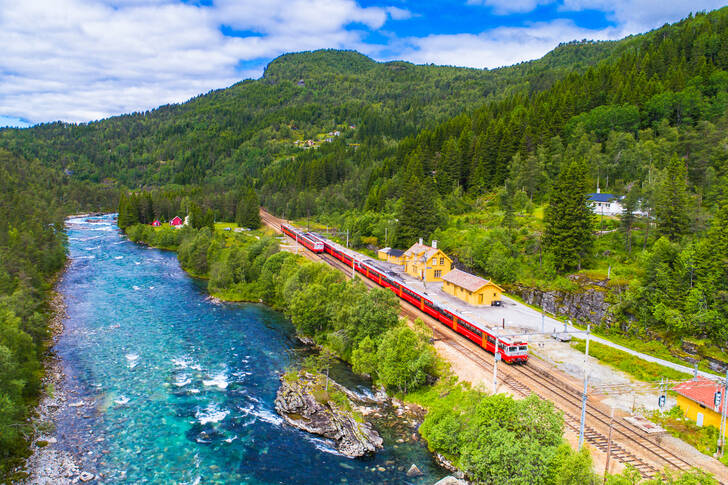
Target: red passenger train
[
  {"x": 510, "y": 351},
  {"x": 311, "y": 242}
]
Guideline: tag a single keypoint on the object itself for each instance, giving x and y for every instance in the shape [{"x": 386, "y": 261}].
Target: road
[{"x": 518, "y": 315}]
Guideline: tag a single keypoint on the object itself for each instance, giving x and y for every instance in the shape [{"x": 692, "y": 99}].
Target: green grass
[
  {"x": 638, "y": 368},
  {"x": 702, "y": 438}
]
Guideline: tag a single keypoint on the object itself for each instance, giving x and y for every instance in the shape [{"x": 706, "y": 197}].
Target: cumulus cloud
[
  {"x": 500, "y": 46},
  {"x": 504, "y": 7},
  {"x": 80, "y": 60},
  {"x": 634, "y": 16}
]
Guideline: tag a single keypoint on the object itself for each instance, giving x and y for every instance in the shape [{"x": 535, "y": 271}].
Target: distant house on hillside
[
  {"x": 301, "y": 83},
  {"x": 605, "y": 204},
  {"x": 156, "y": 223},
  {"x": 176, "y": 221}
]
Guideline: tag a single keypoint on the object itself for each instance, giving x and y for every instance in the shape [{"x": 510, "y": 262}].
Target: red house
[
  {"x": 156, "y": 223},
  {"x": 176, "y": 221}
]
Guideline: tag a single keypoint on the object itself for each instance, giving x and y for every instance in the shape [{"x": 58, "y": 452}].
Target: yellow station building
[
  {"x": 426, "y": 263},
  {"x": 696, "y": 398},
  {"x": 471, "y": 289},
  {"x": 394, "y": 256}
]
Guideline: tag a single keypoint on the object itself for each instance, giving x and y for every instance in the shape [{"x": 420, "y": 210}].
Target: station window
[
  {"x": 442, "y": 261},
  {"x": 438, "y": 273}
]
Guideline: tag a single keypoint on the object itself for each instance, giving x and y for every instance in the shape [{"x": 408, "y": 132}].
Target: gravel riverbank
[{"x": 49, "y": 464}]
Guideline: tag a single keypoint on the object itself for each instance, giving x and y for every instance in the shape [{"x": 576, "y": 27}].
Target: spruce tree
[
  {"x": 671, "y": 208},
  {"x": 247, "y": 213},
  {"x": 569, "y": 221},
  {"x": 418, "y": 215}
]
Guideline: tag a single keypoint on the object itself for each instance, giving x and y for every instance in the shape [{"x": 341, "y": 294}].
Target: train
[
  {"x": 306, "y": 239},
  {"x": 510, "y": 351}
]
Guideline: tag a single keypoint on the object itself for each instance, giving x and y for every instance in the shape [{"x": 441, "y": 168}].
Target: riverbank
[{"x": 49, "y": 465}]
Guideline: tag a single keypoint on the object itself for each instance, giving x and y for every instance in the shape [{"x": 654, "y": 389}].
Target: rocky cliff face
[
  {"x": 587, "y": 305},
  {"x": 302, "y": 404}
]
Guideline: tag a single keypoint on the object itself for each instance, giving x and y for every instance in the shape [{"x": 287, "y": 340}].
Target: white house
[{"x": 605, "y": 204}]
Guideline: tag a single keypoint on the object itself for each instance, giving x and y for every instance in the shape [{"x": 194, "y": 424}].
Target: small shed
[
  {"x": 471, "y": 289},
  {"x": 176, "y": 221},
  {"x": 156, "y": 223},
  {"x": 390, "y": 255},
  {"x": 699, "y": 401}
]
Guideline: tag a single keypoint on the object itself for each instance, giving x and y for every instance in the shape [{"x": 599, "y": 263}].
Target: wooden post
[{"x": 609, "y": 446}]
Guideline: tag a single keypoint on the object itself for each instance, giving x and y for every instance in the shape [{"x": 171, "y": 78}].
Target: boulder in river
[
  {"x": 305, "y": 403},
  {"x": 414, "y": 471}
]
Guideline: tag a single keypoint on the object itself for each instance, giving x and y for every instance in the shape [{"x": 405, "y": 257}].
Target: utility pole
[
  {"x": 296, "y": 242},
  {"x": 724, "y": 401},
  {"x": 347, "y": 240},
  {"x": 496, "y": 358},
  {"x": 584, "y": 395},
  {"x": 609, "y": 446},
  {"x": 385, "y": 236},
  {"x": 353, "y": 274}
]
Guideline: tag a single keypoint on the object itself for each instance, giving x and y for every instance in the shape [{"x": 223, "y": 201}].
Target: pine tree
[
  {"x": 672, "y": 200},
  {"x": 568, "y": 220}
]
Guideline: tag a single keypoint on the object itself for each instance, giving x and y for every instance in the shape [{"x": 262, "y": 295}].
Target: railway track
[{"x": 543, "y": 383}]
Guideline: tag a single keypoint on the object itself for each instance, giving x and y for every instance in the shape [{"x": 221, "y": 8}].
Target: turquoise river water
[{"x": 168, "y": 387}]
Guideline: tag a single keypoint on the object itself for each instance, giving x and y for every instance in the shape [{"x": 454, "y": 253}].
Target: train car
[
  {"x": 511, "y": 351},
  {"x": 305, "y": 239}
]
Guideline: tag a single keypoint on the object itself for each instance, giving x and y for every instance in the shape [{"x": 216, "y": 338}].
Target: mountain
[{"x": 230, "y": 134}]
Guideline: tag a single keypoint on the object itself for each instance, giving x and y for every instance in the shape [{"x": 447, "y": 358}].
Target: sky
[{"x": 83, "y": 60}]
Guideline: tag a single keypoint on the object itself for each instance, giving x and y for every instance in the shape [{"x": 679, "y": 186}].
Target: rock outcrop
[
  {"x": 587, "y": 305},
  {"x": 304, "y": 404}
]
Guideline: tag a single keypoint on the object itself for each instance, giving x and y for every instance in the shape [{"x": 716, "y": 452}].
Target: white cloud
[
  {"x": 498, "y": 47},
  {"x": 80, "y": 60},
  {"x": 634, "y": 16},
  {"x": 504, "y": 7}
]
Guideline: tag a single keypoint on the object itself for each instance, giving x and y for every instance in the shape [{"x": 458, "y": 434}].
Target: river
[{"x": 168, "y": 387}]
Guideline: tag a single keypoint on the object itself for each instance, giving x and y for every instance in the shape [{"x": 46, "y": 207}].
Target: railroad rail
[{"x": 542, "y": 383}]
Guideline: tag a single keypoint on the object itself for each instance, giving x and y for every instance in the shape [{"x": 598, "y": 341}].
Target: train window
[
  {"x": 491, "y": 339},
  {"x": 523, "y": 348}
]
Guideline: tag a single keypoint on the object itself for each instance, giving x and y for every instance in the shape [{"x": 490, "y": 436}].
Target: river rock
[
  {"x": 414, "y": 471},
  {"x": 297, "y": 404},
  {"x": 450, "y": 480},
  {"x": 86, "y": 477}
]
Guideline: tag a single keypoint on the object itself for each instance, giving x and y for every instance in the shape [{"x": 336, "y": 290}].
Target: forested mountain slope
[{"x": 230, "y": 134}]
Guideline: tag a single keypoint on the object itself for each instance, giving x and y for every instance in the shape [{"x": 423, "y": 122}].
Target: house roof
[
  {"x": 396, "y": 252},
  {"x": 416, "y": 249},
  {"x": 466, "y": 280},
  {"x": 385, "y": 250},
  {"x": 424, "y": 251},
  {"x": 699, "y": 389},
  {"x": 602, "y": 197}
]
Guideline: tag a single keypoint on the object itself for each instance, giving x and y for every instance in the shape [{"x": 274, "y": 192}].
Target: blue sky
[{"x": 82, "y": 60}]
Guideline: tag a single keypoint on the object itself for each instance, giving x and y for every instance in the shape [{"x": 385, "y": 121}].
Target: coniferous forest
[{"x": 494, "y": 164}]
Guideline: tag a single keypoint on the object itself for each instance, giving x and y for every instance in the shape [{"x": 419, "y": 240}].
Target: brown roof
[
  {"x": 699, "y": 389},
  {"x": 417, "y": 249},
  {"x": 466, "y": 280}
]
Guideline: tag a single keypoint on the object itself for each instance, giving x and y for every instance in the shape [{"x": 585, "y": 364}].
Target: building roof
[
  {"x": 596, "y": 197},
  {"x": 426, "y": 251},
  {"x": 700, "y": 390},
  {"x": 466, "y": 280},
  {"x": 385, "y": 250},
  {"x": 416, "y": 249},
  {"x": 395, "y": 252}
]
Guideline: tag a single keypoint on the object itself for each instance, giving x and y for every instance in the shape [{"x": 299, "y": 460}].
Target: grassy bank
[{"x": 638, "y": 368}]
